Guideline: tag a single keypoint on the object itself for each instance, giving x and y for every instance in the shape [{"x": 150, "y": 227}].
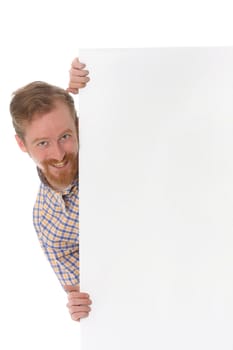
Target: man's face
[{"x": 51, "y": 141}]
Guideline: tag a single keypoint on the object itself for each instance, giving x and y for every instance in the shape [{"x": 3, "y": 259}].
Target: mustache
[{"x": 67, "y": 157}]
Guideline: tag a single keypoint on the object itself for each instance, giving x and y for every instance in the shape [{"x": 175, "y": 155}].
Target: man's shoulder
[
  {"x": 42, "y": 194},
  {"x": 44, "y": 201}
]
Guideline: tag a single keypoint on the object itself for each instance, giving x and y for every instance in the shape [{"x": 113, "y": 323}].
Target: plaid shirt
[{"x": 56, "y": 221}]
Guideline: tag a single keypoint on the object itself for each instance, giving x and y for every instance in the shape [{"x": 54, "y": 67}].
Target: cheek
[
  {"x": 72, "y": 147},
  {"x": 38, "y": 158}
]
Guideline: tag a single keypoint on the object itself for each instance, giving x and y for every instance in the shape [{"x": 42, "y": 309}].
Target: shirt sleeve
[
  {"x": 64, "y": 263},
  {"x": 60, "y": 245}
]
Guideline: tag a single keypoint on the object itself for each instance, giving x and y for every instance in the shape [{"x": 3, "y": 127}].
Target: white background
[{"x": 38, "y": 41}]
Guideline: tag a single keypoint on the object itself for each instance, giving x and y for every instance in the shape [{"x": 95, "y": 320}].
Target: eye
[
  {"x": 65, "y": 137},
  {"x": 42, "y": 144}
]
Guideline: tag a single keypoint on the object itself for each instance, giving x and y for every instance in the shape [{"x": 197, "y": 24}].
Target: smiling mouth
[{"x": 60, "y": 164}]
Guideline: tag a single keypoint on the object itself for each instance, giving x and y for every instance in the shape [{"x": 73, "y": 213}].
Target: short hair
[{"x": 37, "y": 98}]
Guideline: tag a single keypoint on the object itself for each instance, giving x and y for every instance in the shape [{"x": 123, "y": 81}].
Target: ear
[{"x": 20, "y": 143}]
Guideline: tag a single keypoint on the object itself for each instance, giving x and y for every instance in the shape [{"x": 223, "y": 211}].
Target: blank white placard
[{"x": 156, "y": 198}]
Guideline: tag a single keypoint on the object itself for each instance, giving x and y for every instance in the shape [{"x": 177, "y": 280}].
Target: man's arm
[{"x": 78, "y": 76}]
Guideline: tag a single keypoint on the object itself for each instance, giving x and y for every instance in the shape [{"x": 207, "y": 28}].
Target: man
[{"x": 46, "y": 125}]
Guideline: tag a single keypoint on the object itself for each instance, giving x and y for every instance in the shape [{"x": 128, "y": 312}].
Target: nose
[{"x": 57, "y": 152}]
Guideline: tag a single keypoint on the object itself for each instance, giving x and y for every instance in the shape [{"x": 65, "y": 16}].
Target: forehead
[{"x": 50, "y": 124}]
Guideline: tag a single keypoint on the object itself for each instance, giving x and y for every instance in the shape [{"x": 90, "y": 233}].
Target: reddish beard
[{"x": 64, "y": 177}]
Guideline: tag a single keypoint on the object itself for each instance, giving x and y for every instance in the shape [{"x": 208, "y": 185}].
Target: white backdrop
[{"x": 156, "y": 198}]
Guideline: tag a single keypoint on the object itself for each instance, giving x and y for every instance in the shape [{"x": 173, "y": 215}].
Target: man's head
[{"x": 46, "y": 125}]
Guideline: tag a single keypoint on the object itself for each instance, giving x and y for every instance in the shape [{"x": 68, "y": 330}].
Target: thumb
[{"x": 77, "y": 64}]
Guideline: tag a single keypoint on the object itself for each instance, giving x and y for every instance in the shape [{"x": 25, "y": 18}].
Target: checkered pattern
[{"x": 56, "y": 220}]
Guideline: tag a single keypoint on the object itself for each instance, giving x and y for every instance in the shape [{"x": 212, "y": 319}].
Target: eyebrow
[{"x": 39, "y": 139}]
